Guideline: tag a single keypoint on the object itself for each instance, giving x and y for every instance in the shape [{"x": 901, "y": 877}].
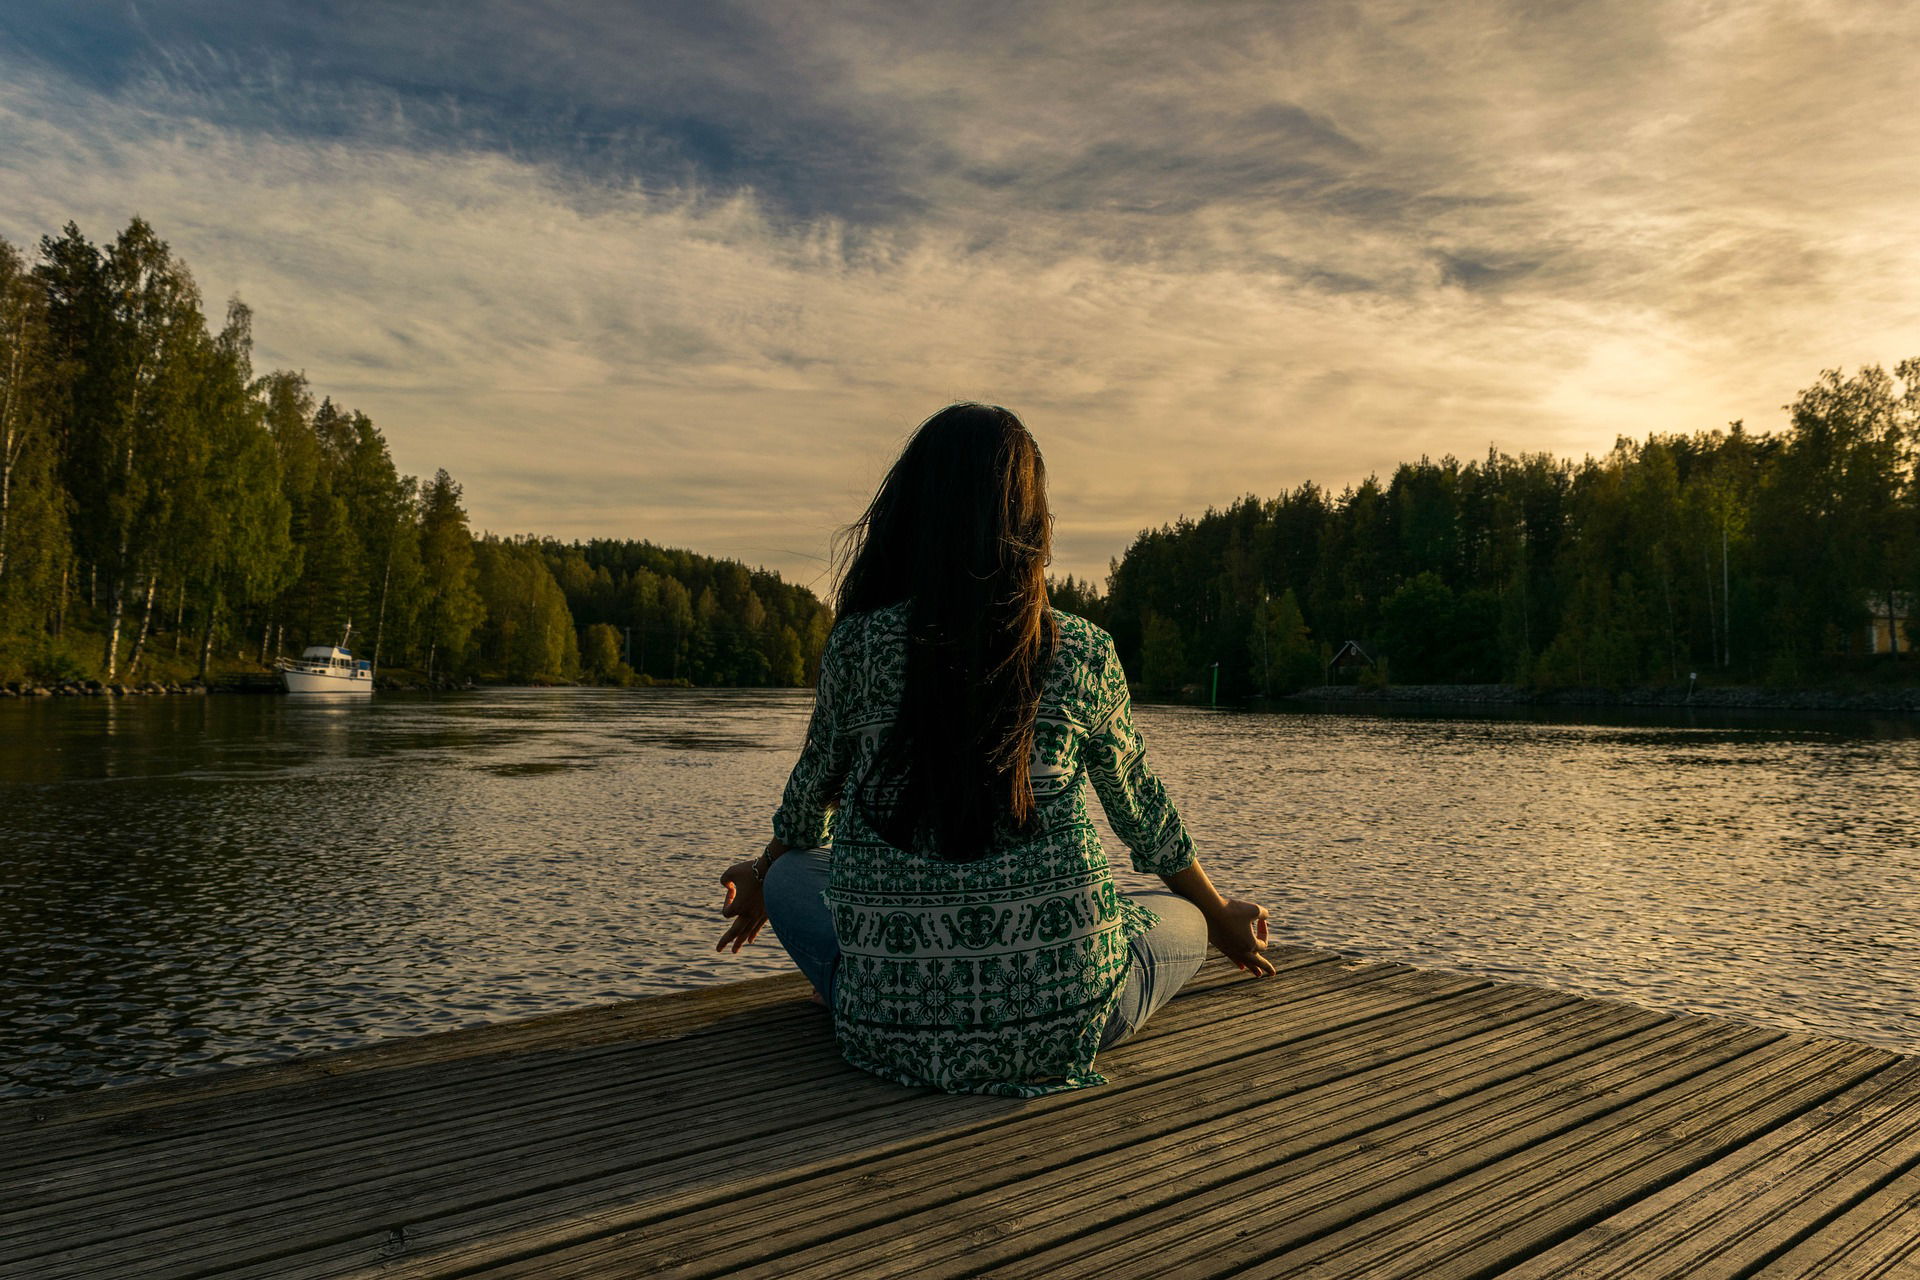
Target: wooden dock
[{"x": 1342, "y": 1119}]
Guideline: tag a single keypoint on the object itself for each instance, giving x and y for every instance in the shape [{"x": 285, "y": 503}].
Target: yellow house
[{"x": 1888, "y": 611}]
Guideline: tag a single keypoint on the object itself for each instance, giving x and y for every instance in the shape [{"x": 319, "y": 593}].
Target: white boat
[{"x": 327, "y": 668}]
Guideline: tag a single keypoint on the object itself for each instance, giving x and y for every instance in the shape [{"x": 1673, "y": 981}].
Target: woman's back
[
  {"x": 964, "y": 922},
  {"x": 991, "y": 973}
]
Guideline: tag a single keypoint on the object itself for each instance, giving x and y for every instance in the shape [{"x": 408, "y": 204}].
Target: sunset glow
[{"x": 689, "y": 273}]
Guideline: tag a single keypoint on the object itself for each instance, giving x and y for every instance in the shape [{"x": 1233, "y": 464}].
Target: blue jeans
[{"x": 1163, "y": 958}]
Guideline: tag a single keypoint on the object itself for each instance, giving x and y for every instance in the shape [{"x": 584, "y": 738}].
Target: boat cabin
[
  {"x": 333, "y": 659},
  {"x": 326, "y": 668}
]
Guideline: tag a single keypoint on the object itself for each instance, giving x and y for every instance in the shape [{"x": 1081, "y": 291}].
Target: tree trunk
[
  {"x": 6, "y": 495},
  {"x": 432, "y": 648},
  {"x": 59, "y": 619},
  {"x": 115, "y": 612},
  {"x": 1726, "y": 602},
  {"x": 206, "y": 637},
  {"x": 380, "y": 616},
  {"x": 11, "y": 440},
  {"x": 179, "y": 616},
  {"x": 1713, "y": 619},
  {"x": 266, "y": 637},
  {"x": 1666, "y": 588},
  {"x": 146, "y": 623}
]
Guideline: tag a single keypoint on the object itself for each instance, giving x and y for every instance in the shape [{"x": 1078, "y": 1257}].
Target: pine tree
[{"x": 451, "y": 604}]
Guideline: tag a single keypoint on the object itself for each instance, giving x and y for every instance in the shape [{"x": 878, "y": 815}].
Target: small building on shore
[{"x": 1349, "y": 662}]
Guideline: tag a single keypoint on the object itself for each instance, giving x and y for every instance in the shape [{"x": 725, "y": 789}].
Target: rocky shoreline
[
  {"x": 248, "y": 683},
  {"x": 1730, "y": 698},
  {"x": 97, "y": 689}
]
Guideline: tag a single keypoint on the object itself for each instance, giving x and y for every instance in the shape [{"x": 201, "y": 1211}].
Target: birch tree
[{"x": 32, "y": 518}]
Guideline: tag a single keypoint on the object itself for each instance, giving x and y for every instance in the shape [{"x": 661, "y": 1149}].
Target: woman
[{"x": 964, "y": 927}]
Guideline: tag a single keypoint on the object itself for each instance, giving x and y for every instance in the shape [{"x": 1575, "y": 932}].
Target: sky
[{"x": 692, "y": 272}]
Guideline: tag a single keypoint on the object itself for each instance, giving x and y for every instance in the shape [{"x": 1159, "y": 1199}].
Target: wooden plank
[
  {"x": 447, "y": 1064},
  {"x": 518, "y": 1220},
  {"x": 1876, "y": 1239},
  {"x": 1089, "y": 1182},
  {"x": 1302, "y": 1187},
  {"x": 309, "y": 1203},
  {"x": 333, "y": 1134},
  {"x": 934, "y": 1178},
  {"x": 127, "y": 1116},
  {"x": 1730, "y": 1217},
  {"x": 317, "y": 1115},
  {"x": 106, "y": 1156},
  {"x": 1488, "y": 1215},
  {"x": 676, "y": 1013},
  {"x": 1349, "y": 1118}
]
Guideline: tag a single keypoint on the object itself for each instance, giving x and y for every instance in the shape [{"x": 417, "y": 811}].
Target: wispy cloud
[{"x": 692, "y": 274}]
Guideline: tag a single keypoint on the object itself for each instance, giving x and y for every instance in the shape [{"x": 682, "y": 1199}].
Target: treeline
[
  {"x": 161, "y": 507},
  {"x": 1784, "y": 557},
  {"x": 665, "y": 614}
]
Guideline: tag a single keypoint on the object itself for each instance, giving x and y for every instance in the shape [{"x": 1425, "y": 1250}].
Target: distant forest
[
  {"x": 1785, "y": 558},
  {"x": 163, "y": 510}
]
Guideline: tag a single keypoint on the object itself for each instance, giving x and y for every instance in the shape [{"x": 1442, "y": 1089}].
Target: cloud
[{"x": 691, "y": 273}]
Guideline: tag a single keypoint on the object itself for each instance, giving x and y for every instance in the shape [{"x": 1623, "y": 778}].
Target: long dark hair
[{"x": 960, "y": 528}]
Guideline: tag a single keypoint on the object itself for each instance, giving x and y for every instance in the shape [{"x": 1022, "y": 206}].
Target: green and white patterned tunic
[{"x": 998, "y": 975}]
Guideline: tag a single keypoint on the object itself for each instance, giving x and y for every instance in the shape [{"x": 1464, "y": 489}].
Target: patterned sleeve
[
  {"x": 805, "y": 817},
  {"x": 1137, "y": 804}
]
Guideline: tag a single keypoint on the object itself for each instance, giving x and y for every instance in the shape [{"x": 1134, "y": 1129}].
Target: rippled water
[{"x": 191, "y": 883}]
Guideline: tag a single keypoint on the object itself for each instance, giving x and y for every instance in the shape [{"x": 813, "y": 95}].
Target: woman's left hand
[{"x": 746, "y": 903}]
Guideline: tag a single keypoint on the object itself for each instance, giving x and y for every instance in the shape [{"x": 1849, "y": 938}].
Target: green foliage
[
  {"x": 163, "y": 508},
  {"x": 600, "y": 656},
  {"x": 168, "y": 508},
  {"x": 1417, "y": 628},
  {"x": 686, "y": 616},
  {"x": 1163, "y": 662},
  {"x": 1737, "y": 555},
  {"x": 1077, "y": 597},
  {"x": 452, "y": 607},
  {"x": 1280, "y": 651},
  {"x": 527, "y": 633},
  {"x": 33, "y": 519}
]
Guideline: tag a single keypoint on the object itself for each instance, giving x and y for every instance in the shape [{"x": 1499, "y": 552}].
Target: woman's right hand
[
  {"x": 746, "y": 903},
  {"x": 1238, "y": 931}
]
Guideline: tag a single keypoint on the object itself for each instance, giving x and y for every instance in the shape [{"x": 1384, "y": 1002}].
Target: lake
[{"x": 192, "y": 883}]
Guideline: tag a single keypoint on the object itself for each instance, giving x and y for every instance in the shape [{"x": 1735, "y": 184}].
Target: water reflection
[{"x": 190, "y": 883}]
